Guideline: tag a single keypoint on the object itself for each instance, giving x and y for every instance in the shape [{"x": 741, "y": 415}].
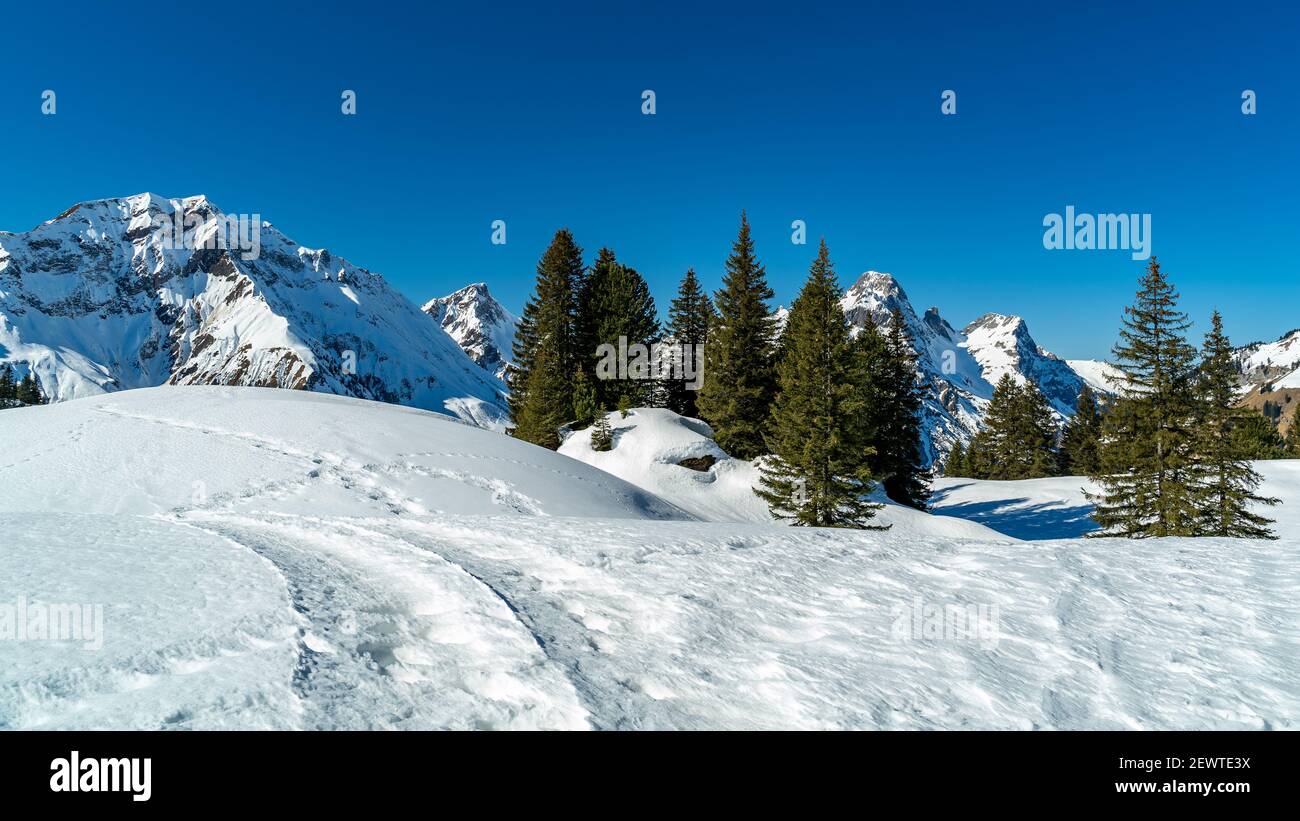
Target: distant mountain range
[{"x": 97, "y": 299}]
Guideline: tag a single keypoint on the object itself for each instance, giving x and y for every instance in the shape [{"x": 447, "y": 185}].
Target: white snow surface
[{"x": 284, "y": 559}]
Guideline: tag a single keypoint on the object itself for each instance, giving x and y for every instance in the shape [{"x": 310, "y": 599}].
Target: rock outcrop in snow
[{"x": 99, "y": 299}]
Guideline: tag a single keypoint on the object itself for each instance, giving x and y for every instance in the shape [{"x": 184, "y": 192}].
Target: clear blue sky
[{"x": 826, "y": 114}]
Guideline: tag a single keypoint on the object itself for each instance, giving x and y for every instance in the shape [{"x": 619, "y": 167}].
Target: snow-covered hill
[
  {"x": 288, "y": 559},
  {"x": 99, "y": 299},
  {"x": 479, "y": 324}
]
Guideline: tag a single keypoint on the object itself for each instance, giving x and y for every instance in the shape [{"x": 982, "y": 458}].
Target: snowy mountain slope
[
  {"x": 1002, "y": 344},
  {"x": 1271, "y": 363},
  {"x": 99, "y": 299},
  {"x": 1102, "y": 377},
  {"x": 479, "y": 324},
  {"x": 347, "y": 564}
]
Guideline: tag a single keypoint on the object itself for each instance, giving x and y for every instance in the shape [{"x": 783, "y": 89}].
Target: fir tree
[
  {"x": 1081, "y": 439},
  {"x": 1255, "y": 436},
  {"x": 8, "y": 388},
  {"x": 996, "y": 440},
  {"x": 689, "y": 318},
  {"x": 1036, "y": 434},
  {"x": 955, "y": 467},
  {"x": 1228, "y": 481},
  {"x": 585, "y": 406},
  {"x": 28, "y": 391},
  {"x": 602, "y": 435},
  {"x": 616, "y": 309},
  {"x": 818, "y": 474},
  {"x": 1147, "y": 454},
  {"x": 541, "y": 385},
  {"x": 897, "y": 421},
  {"x": 1292, "y": 447},
  {"x": 739, "y": 380}
]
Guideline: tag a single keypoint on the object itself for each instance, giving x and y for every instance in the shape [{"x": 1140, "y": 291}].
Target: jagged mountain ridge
[
  {"x": 480, "y": 325},
  {"x": 97, "y": 299}
]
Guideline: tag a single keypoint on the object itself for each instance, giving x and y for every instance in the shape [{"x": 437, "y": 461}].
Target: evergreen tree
[
  {"x": 955, "y": 467},
  {"x": 585, "y": 406},
  {"x": 28, "y": 391},
  {"x": 616, "y": 309},
  {"x": 739, "y": 380},
  {"x": 1228, "y": 481},
  {"x": 897, "y": 421},
  {"x": 8, "y": 388},
  {"x": 1081, "y": 439},
  {"x": 1036, "y": 434},
  {"x": 996, "y": 440},
  {"x": 1147, "y": 454},
  {"x": 1292, "y": 447},
  {"x": 1255, "y": 436},
  {"x": 689, "y": 318},
  {"x": 602, "y": 435},
  {"x": 541, "y": 384},
  {"x": 818, "y": 474}
]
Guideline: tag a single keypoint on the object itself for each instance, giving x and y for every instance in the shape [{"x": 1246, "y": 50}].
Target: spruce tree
[
  {"x": 585, "y": 406},
  {"x": 1255, "y": 436},
  {"x": 1081, "y": 439},
  {"x": 602, "y": 435},
  {"x": 616, "y": 309},
  {"x": 1226, "y": 491},
  {"x": 997, "y": 437},
  {"x": 1292, "y": 447},
  {"x": 955, "y": 467},
  {"x": 8, "y": 388},
  {"x": 818, "y": 474},
  {"x": 689, "y": 317},
  {"x": 739, "y": 379},
  {"x": 28, "y": 391},
  {"x": 897, "y": 423},
  {"x": 1036, "y": 434},
  {"x": 546, "y": 359},
  {"x": 1147, "y": 456}
]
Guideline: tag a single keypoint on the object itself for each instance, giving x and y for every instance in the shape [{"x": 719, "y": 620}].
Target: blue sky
[{"x": 827, "y": 114}]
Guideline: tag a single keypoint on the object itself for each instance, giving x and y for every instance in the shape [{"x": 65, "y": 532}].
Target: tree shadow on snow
[{"x": 1019, "y": 519}]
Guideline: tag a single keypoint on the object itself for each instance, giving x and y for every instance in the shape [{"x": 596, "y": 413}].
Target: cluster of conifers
[
  {"x": 1171, "y": 451},
  {"x": 829, "y": 413},
  {"x": 16, "y": 393}
]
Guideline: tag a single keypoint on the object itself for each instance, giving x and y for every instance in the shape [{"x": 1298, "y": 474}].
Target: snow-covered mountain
[
  {"x": 1002, "y": 344},
  {"x": 101, "y": 298},
  {"x": 480, "y": 325},
  {"x": 1276, "y": 364},
  {"x": 956, "y": 390}
]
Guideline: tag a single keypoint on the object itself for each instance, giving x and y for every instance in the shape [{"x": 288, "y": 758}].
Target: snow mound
[{"x": 651, "y": 443}]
